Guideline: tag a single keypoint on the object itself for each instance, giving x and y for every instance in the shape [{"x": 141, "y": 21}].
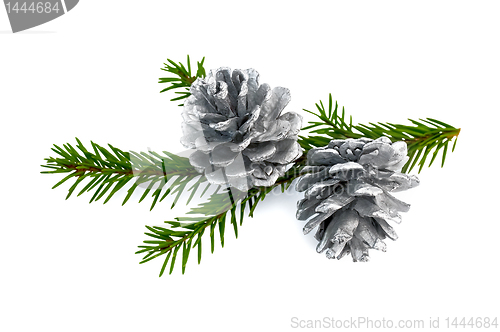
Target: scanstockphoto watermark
[
  {"x": 359, "y": 323},
  {"x": 153, "y": 172},
  {"x": 363, "y": 322},
  {"x": 149, "y": 170}
]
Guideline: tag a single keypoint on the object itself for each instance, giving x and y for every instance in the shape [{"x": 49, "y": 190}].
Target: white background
[{"x": 92, "y": 74}]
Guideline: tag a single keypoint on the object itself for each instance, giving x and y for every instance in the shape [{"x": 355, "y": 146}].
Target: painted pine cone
[
  {"x": 347, "y": 185},
  {"x": 236, "y": 126}
]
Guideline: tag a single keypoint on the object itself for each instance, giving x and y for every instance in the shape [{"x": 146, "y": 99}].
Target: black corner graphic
[{"x": 24, "y": 15}]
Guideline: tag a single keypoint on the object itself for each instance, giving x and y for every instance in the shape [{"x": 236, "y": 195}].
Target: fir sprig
[
  {"x": 108, "y": 171},
  {"x": 183, "y": 77},
  {"x": 227, "y": 206},
  {"x": 423, "y": 137},
  {"x": 188, "y": 235}
]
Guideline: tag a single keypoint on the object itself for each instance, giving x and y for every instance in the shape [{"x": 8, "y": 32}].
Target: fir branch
[
  {"x": 423, "y": 137},
  {"x": 183, "y": 77},
  {"x": 108, "y": 171},
  {"x": 230, "y": 205}
]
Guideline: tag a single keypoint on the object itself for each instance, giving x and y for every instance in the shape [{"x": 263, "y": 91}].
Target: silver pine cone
[
  {"x": 236, "y": 126},
  {"x": 347, "y": 185}
]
